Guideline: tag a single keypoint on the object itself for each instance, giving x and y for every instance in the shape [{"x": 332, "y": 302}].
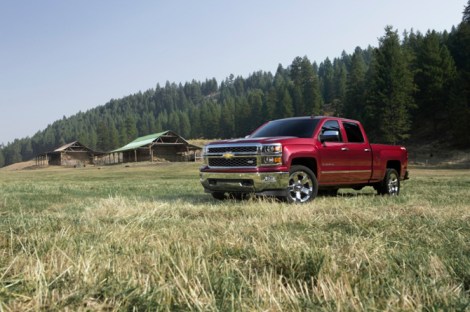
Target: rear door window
[{"x": 353, "y": 132}]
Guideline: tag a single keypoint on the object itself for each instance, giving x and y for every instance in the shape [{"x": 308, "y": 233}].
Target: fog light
[
  {"x": 272, "y": 160},
  {"x": 269, "y": 179}
]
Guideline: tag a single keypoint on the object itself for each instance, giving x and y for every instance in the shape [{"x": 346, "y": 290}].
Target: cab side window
[
  {"x": 332, "y": 125},
  {"x": 353, "y": 132}
]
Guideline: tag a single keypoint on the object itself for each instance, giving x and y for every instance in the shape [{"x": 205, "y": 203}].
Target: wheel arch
[
  {"x": 309, "y": 162},
  {"x": 394, "y": 164}
]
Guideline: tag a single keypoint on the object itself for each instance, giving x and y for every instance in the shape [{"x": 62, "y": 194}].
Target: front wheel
[
  {"x": 218, "y": 195},
  {"x": 390, "y": 184},
  {"x": 239, "y": 196},
  {"x": 330, "y": 192},
  {"x": 303, "y": 185}
]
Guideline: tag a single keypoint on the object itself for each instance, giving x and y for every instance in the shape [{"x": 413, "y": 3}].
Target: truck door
[
  {"x": 359, "y": 153},
  {"x": 334, "y": 164}
]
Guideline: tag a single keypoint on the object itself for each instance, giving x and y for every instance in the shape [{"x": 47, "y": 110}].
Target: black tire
[
  {"x": 218, "y": 195},
  {"x": 303, "y": 185},
  {"x": 239, "y": 196},
  {"x": 328, "y": 192},
  {"x": 390, "y": 184}
]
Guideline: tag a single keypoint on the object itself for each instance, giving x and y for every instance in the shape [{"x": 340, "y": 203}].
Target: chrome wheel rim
[
  {"x": 393, "y": 184},
  {"x": 300, "y": 187}
]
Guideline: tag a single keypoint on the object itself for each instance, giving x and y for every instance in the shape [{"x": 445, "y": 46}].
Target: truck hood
[{"x": 254, "y": 140}]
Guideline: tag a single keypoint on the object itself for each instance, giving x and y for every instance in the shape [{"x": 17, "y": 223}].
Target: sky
[{"x": 61, "y": 57}]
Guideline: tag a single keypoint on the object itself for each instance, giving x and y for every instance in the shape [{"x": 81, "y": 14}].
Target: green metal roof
[{"x": 139, "y": 142}]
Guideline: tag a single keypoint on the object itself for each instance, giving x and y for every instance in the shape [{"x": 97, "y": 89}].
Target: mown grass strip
[{"x": 148, "y": 238}]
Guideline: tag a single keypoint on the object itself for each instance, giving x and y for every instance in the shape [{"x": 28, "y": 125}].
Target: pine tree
[
  {"x": 296, "y": 71},
  {"x": 311, "y": 94},
  {"x": 123, "y": 139},
  {"x": 210, "y": 120},
  {"x": 459, "y": 45},
  {"x": 84, "y": 138},
  {"x": 49, "y": 138},
  {"x": 162, "y": 119},
  {"x": 269, "y": 105},
  {"x": 158, "y": 125},
  {"x": 103, "y": 142},
  {"x": 174, "y": 122},
  {"x": 285, "y": 106},
  {"x": 227, "y": 121},
  {"x": 92, "y": 138},
  {"x": 12, "y": 153},
  {"x": 2, "y": 158},
  {"x": 466, "y": 13},
  {"x": 326, "y": 74},
  {"x": 435, "y": 73},
  {"x": 26, "y": 149},
  {"x": 356, "y": 87},
  {"x": 255, "y": 101},
  {"x": 242, "y": 116},
  {"x": 113, "y": 136},
  {"x": 391, "y": 90},
  {"x": 340, "y": 81},
  {"x": 131, "y": 128},
  {"x": 185, "y": 125},
  {"x": 195, "y": 121},
  {"x": 297, "y": 100},
  {"x": 143, "y": 125}
]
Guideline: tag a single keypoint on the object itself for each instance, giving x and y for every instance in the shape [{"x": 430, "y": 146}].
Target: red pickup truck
[{"x": 295, "y": 158}]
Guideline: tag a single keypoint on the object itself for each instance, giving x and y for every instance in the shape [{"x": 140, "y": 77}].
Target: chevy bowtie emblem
[{"x": 228, "y": 155}]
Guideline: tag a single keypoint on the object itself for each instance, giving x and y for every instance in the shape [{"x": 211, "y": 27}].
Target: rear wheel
[
  {"x": 390, "y": 184},
  {"x": 303, "y": 185}
]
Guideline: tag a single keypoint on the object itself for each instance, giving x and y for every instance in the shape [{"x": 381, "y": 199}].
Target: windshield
[{"x": 301, "y": 128}]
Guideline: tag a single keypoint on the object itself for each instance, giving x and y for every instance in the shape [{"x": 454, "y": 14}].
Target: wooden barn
[
  {"x": 163, "y": 146},
  {"x": 71, "y": 155}
]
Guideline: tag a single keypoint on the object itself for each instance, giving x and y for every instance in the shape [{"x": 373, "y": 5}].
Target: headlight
[
  {"x": 272, "y": 149},
  {"x": 271, "y": 154}
]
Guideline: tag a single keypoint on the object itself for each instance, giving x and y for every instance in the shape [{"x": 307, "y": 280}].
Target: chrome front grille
[
  {"x": 233, "y": 162},
  {"x": 233, "y": 155},
  {"x": 233, "y": 149},
  {"x": 249, "y": 155}
]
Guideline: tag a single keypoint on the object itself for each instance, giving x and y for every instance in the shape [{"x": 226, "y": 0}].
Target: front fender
[{"x": 292, "y": 152}]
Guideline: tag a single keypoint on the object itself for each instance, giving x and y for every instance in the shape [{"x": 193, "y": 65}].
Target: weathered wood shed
[
  {"x": 71, "y": 155},
  {"x": 163, "y": 146}
]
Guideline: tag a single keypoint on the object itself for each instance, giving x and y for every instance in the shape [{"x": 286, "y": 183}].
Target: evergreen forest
[{"x": 410, "y": 89}]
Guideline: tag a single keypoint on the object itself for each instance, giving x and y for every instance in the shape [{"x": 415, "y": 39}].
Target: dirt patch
[
  {"x": 430, "y": 156},
  {"x": 30, "y": 164}
]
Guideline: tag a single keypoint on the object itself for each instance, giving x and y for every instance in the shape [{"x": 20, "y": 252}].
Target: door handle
[
  {"x": 344, "y": 149},
  {"x": 366, "y": 150}
]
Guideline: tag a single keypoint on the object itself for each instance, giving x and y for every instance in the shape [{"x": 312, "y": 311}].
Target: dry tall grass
[{"x": 147, "y": 238}]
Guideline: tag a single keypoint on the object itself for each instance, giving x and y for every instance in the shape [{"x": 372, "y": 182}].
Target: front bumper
[{"x": 260, "y": 183}]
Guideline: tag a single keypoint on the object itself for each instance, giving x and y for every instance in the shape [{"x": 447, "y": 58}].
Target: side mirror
[{"x": 329, "y": 136}]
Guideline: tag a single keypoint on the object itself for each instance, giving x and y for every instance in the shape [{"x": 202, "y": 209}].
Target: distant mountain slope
[{"x": 415, "y": 87}]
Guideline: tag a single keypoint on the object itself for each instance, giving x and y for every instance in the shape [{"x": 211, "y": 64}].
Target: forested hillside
[{"x": 411, "y": 87}]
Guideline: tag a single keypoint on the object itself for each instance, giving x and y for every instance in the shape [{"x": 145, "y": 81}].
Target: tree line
[{"x": 413, "y": 87}]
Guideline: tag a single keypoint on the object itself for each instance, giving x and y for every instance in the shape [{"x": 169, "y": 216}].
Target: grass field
[{"x": 148, "y": 238}]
